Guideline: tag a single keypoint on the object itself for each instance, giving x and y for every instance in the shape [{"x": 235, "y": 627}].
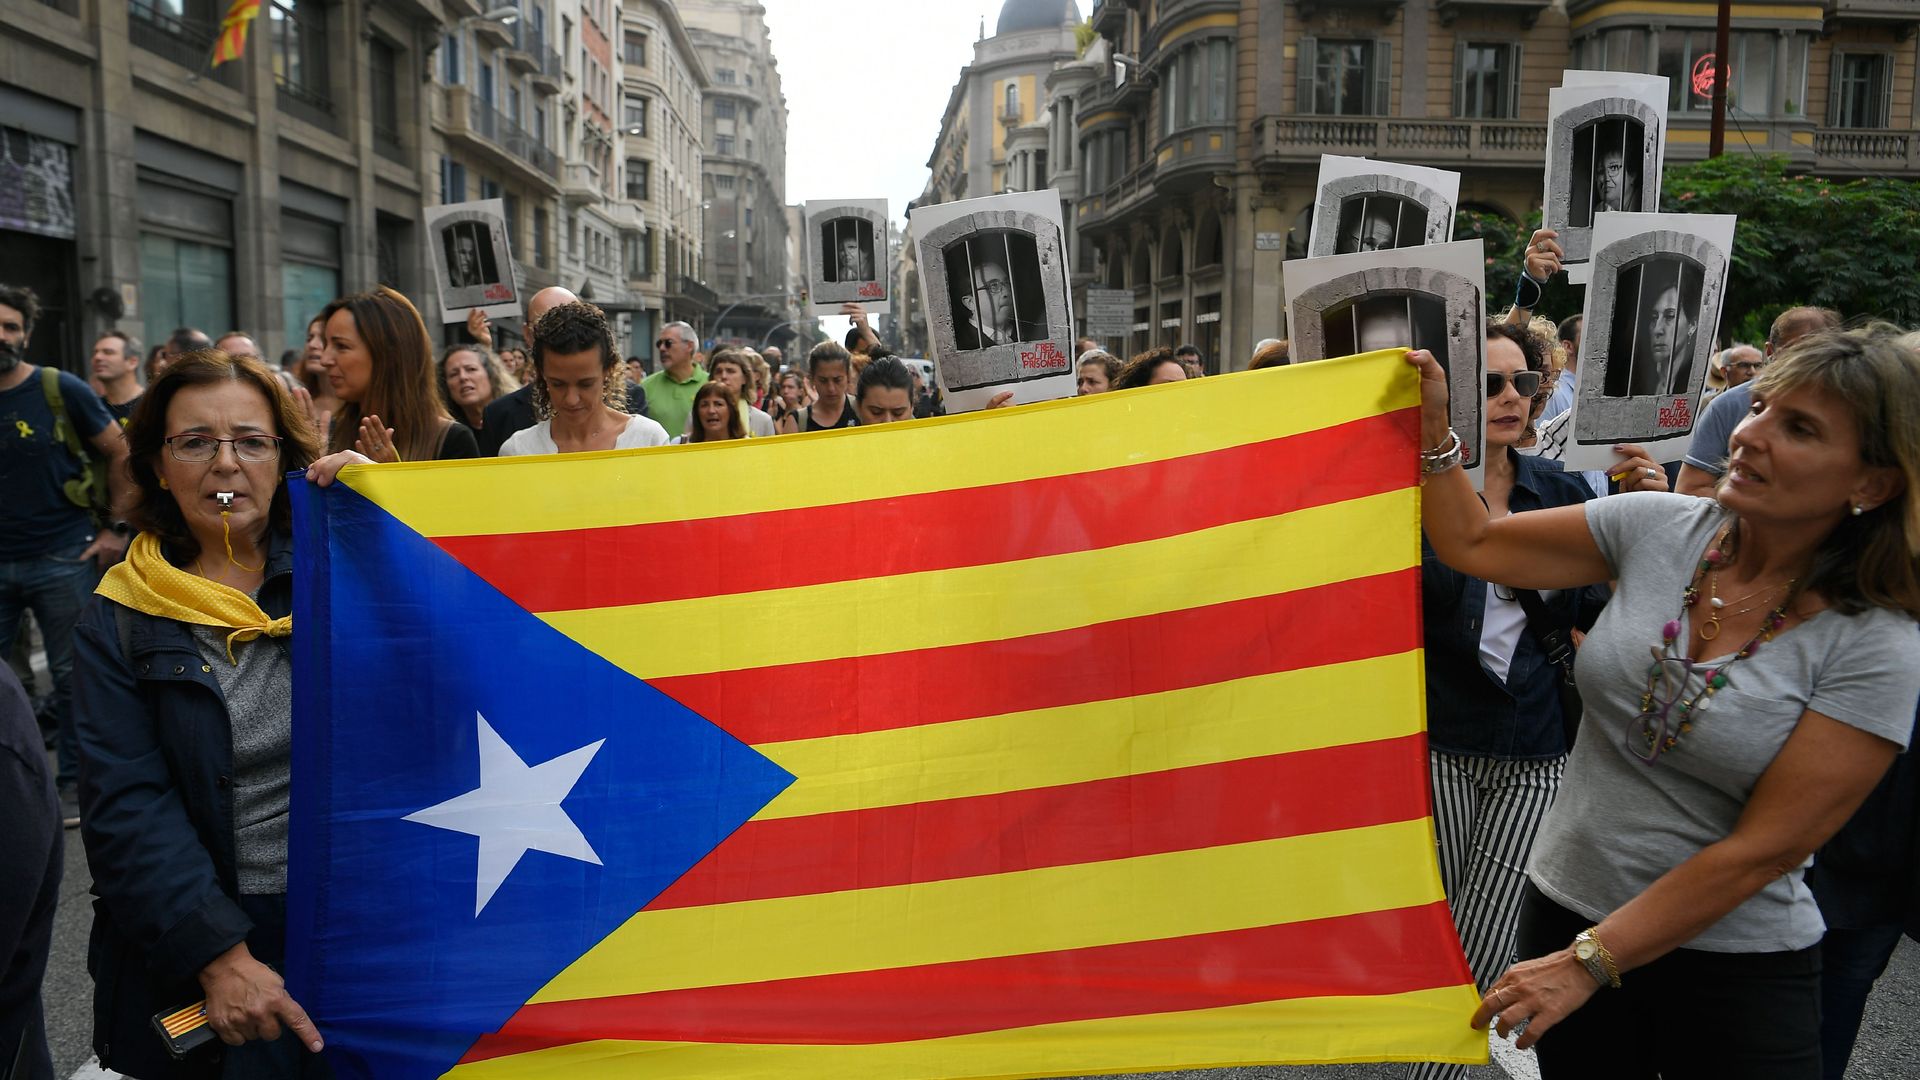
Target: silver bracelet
[{"x": 1443, "y": 457}]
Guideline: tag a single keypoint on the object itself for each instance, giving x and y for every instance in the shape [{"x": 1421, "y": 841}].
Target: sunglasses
[
  {"x": 665, "y": 343},
  {"x": 1525, "y": 383}
]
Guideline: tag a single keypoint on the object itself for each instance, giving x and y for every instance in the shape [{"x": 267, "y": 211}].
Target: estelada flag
[
  {"x": 233, "y": 31},
  {"x": 1084, "y": 737}
]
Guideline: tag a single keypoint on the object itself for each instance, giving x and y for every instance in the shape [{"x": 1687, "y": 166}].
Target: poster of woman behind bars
[
  {"x": 1606, "y": 142},
  {"x": 993, "y": 277},
  {"x": 1652, "y": 313}
]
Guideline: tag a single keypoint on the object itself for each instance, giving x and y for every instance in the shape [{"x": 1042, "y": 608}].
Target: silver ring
[{"x": 1651, "y": 472}]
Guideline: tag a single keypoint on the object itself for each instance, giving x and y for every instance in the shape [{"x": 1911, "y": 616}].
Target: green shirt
[{"x": 669, "y": 403}]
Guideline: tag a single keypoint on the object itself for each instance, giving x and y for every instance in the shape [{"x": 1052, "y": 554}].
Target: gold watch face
[{"x": 1585, "y": 950}]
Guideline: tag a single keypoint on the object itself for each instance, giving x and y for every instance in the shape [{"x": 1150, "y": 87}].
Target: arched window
[
  {"x": 1388, "y": 320},
  {"x": 1013, "y": 99},
  {"x": 1377, "y": 222},
  {"x": 1207, "y": 242},
  {"x": 1172, "y": 257},
  {"x": 1656, "y": 322}
]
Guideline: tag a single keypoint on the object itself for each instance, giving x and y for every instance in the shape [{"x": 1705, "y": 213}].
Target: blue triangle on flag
[{"x": 398, "y": 649}]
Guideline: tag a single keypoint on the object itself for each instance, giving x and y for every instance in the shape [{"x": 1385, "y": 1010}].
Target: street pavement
[{"x": 1889, "y": 1040}]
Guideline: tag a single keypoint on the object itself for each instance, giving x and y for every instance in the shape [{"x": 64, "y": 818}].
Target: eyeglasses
[
  {"x": 1525, "y": 383},
  {"x": 1748, "y": 366},
  {"x": 200, "y": 448},
  {"x": 665, "y": 343}
]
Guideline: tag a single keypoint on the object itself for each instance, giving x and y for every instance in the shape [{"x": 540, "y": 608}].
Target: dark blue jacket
[
  {"x": 1470, "y": 712},
  {"x": 156, "y": 797}
]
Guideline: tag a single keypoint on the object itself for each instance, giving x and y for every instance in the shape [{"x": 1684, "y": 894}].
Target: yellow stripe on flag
[
  {"x": 1315, "y": 546},
  {"x": 233, "y": 31},
  {"x": 1422, "y": 1025},
  {"x": 507, "y": 495},
  {"x": 1277, "y": 713},
  {"x": 1232, "y": 887}
]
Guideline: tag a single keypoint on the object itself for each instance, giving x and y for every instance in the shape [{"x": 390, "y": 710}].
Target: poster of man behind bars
[
  {"x": 1366, "y": 205},
  {"x": 993, "y": 277},
  {"x": 847, "y": 255}
]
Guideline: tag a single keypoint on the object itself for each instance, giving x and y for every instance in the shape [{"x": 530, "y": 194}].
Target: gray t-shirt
[
  {"x": 1619, "y": 823},
  {"x": 1708, "y": 449}
]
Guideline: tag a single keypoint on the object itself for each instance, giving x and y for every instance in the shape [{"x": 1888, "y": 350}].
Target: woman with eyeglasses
[
  {"x": 183, "y": 692},
  {"x": 1750, "y": 681},
  {"x": 1497, "y": 735}
]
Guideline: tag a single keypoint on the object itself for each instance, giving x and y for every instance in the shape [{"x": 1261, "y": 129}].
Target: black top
[
  {"x": 31, "y": 845},
  {"x": 807, "y": 423}
]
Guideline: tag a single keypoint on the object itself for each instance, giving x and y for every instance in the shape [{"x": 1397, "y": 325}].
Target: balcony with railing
[
  {"x": 580, "y": 183},
  {"x": 1302, "y": 139},
  {"x": 540, "y": 61},
  {"x": 467, "y": 118},
  {"x": 1866, "y": 151},
  {"x": 186, "y": 40}
]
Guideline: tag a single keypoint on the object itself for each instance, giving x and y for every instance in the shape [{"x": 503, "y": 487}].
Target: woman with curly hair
[
  {"x": 1151, "y": 368},
  {"x": 471, "y": 378},
  {"x": 580, "y": 402},
  {"x": 379, "y": 360}
]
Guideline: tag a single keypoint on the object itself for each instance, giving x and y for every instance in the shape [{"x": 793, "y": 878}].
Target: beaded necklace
[{"x": 1664, "y": 723}]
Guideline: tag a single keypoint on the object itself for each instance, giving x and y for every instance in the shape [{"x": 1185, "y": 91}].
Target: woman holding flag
[
  {"x": 1752, "y": 678},
  {"x": 183, "y": 704}
]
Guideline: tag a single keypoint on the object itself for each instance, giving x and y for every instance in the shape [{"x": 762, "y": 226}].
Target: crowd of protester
[{"x": 1608, "y": 868}]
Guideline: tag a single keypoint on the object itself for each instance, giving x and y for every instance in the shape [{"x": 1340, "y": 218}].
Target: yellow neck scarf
[{"x": 148, "y": 583}]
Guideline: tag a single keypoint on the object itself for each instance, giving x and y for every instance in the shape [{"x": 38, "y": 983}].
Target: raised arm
[{"x": 1541, "y": 549}]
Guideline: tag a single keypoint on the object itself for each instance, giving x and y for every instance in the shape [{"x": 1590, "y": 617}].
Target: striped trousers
[{"x": 1485, "y": 814}]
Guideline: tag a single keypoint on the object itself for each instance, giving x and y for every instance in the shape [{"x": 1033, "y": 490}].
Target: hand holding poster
[
  {"x": 1364, "y": 205},
  {"x": 472, "y": 262},
  {"x": 1652, "y": 312},
  {"x": 847, "y": 255},
  {"x": 993, "y": 277},
  {"x": 1430, "y": 297}
]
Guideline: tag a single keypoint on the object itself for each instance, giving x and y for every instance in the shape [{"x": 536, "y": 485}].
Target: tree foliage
[
  {"x": 1853, "y": 246},
  {"x": 1847, "y": 245}
]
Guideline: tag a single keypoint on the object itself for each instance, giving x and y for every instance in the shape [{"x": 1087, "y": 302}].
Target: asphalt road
[{"x": 1889, "y": 1040}]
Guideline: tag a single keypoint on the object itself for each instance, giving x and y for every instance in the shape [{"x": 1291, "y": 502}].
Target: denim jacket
[
  {"x": 1469, "y": 711},
  {"x": 156, "y": 790}
]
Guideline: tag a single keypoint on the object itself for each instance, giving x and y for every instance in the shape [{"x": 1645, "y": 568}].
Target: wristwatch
[{"x": 1597, "y": 960}]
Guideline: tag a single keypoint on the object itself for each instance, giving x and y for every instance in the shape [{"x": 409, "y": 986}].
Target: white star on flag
[{"x": 516, "y": 809}]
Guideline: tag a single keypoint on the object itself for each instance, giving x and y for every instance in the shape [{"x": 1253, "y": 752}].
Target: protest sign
[
  {"x": 1428, "y": 297},
  {"x": 993, "y": 278},
  {"x": 1653, "y": 308},
  {"x": 847, "y": 255},
  {"x": 472, "y": 260},
  {"x": 1363, "y": 205}
]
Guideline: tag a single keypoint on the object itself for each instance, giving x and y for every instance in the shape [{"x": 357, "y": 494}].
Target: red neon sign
[{"x": 1703, "y": 76}]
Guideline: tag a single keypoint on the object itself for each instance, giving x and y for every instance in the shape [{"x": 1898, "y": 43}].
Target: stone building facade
[
  {"x": 154, "y": 192},
  {"x": 744, "y": 179},
  {"x": 664, "y": 82},
  {"x": 1194, "y": 176}
]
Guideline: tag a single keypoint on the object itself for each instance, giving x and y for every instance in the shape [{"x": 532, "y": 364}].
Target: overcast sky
[{"x": 866, "y": 85}]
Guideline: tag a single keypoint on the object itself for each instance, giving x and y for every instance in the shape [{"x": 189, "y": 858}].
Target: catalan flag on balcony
[
  {"x": 233, "y": 31},
  {"x": 1084, "y": 737}
]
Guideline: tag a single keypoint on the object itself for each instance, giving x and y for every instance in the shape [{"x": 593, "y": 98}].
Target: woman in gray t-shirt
[{"x": 1752, "y": 679}]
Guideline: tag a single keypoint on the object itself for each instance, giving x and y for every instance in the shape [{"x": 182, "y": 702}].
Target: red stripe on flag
[
  {"x": 1328, "y": 624},
  {"x": 1234, "y": 802},
  {"x": 1349, "y": 956},
  {"x": 566, "y": 570}
]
